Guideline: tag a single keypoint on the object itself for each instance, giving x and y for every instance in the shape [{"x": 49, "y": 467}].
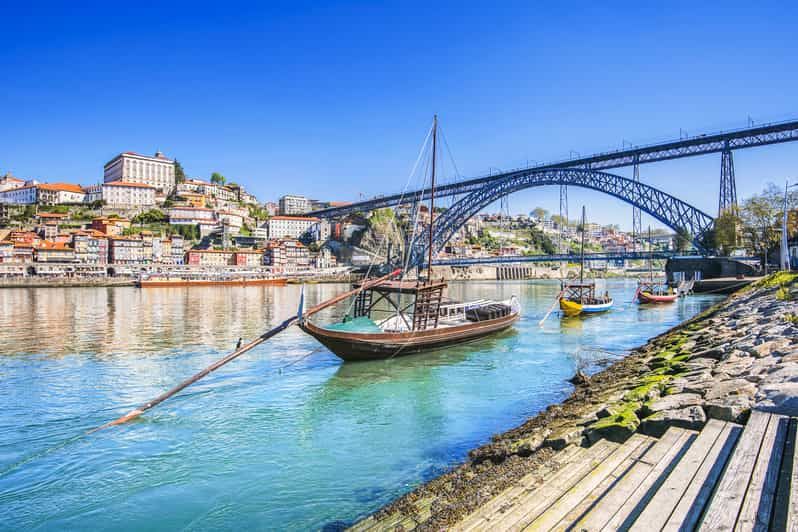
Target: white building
[
  {"x": 131, "y": 167},
  {"x": 8, "y": 182},
  {"x": 26, "y": 195},
  {"x": 296, "y": 227},
  {"x": 44, "y": 193},
  {"x": 122, "y": 195},
  {"x": 291, "y": 204},
  {"x": 60, "y": 193},
  {"x": 191, "y": 216}
]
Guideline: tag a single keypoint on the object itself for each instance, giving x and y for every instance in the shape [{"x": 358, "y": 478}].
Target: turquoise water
[{"x": 260, "y": 444}]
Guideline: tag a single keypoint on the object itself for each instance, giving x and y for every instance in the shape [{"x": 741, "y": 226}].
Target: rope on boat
[
  {"x": 136, "y": 412},
  {"x": 553, "y": 306}
]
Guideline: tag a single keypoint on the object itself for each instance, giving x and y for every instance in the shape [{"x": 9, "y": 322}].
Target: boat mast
[
  {"x": 650, "y": 258},
  {"x": 432, "y": 195},
  {"x": 582, "y": 250}
]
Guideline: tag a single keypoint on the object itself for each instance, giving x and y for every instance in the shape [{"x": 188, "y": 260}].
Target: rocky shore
[{"x": 741, "y": 354}]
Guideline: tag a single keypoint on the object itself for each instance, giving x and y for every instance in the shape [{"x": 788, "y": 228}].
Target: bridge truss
[
  {"x": 671, "y": 211},
  {"x": 689, "y": 147}
]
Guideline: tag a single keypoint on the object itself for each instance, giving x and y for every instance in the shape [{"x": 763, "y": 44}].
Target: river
[{"x": 286, "y": 437}]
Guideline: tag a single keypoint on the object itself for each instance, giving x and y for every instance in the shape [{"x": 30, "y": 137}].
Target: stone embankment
[
  {"x": 63, "y": 282},
  {"x": 740, "y": 355}
]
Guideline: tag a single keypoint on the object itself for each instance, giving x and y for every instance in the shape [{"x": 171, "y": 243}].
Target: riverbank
[
  {"x": 739, "y": 355},
  {"x": 58, "y": 281}
]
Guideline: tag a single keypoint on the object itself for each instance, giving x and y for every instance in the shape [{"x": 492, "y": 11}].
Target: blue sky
[{"x": 332, "y": 100}]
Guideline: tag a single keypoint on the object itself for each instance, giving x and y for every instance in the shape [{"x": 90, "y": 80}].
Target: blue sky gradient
[{"x": 332, "y": 100}]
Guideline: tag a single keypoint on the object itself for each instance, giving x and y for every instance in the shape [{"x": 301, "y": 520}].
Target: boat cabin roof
[{"x": 405, "y": 287}]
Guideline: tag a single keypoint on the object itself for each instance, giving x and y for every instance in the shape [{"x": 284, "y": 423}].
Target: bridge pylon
[
  {"x": 637, "y": 218},
  {"x": 727, "y": 200}
]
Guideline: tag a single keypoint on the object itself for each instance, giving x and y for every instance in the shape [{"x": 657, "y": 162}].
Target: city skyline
[{"x": 338, "y": 114}]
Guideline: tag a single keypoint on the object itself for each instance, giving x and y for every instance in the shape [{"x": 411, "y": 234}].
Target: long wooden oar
[
  {"x": 556, "y": 300},
  {"x": 243, "y": 349}
]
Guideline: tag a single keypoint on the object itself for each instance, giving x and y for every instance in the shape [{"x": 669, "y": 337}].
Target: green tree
[
  {"x": 760, "y": 224},
  {"x": 726, "y": 232},
  {"x": 540, "y": 213},
  {"x": 683, "y": 239},
  {"x": 153, "y": 216},
  {"x": 180, "y": 175},
  {"x": 217, "y": 178}
]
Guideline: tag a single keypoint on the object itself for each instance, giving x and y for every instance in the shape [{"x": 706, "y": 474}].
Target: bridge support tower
[{"x": 728, "y": 186}]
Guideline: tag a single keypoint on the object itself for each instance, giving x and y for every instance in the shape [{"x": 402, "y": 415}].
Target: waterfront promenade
[{"x": 731, "y": 366}]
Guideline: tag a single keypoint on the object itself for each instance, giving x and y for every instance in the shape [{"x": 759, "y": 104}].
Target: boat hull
[
  {"x": 353, "y": 347},
  {"x": 573, "y": 308},
  {"x": 647, "y": 297},
  {"x": 209, "y": 282}
]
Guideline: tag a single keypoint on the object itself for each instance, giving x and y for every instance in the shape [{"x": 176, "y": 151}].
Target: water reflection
[{"x": 261, "y": 443}]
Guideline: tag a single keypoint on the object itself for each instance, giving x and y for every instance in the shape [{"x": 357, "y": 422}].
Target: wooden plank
[
  {"x": 560, "y": 508},
  {"x": 597, "y": 508},
  {"x": 784, "y": 509},
  {"x": 757, "y": 506},
  {"x": 792, "y": 512},
  {"x": 479, "y": 519},
  {"x": 658, "y": 511},
  {"x": 700, "y": 478},
  {"x": 605, "y": 487},
  {"x": 724, "y": 507},
  {"x": 536, "y": 501},
  {"x": 636, "y": 501}
]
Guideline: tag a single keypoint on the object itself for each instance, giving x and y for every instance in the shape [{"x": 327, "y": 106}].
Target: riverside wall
[{"x": 740, "y": 355}]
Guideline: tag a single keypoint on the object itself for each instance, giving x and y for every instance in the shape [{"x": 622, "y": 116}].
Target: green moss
[
  {"x": 777, "y": 279},
  {"x": 783, "y": 294}
]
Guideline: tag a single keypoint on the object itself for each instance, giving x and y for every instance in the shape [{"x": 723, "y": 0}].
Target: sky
[{"x": 332, "y": 100}]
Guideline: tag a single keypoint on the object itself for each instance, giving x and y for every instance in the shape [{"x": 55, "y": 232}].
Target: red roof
[
  {"x": 50, "y": 215},
  {"x": 64, "y": 187},
  {"x": 56, "y": 246}
]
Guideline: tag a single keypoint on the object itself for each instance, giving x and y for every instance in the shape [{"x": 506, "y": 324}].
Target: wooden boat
[
  {"x": 393, "y": 317},
  {"x": 161, "y": 281},
  {"x": 397, "y": 328},
  {"x": 653, "y": 290},
  {"x": 580, "y": 298}
]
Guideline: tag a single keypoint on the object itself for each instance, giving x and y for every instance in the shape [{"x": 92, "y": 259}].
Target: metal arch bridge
[
  {"x": 585, "y": 172},
  {"x": 723, "y": 142},
  {"x": 665, "y": 208}
]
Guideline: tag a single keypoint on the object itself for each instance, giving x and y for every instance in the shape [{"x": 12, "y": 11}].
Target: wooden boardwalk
[{"x": 724, "y": 478}]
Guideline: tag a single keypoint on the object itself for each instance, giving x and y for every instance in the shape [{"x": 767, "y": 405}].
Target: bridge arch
[{"x": 671, "y": 211}]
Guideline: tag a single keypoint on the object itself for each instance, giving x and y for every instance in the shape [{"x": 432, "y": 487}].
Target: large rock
[
  {"x": 781, "y": 398},
  {"x": 692, "y": 417},
  {"x": 781, "y": 373},
  {"x": 730, "y": 388},
  {"x": 735, "y": 367},
  {"x": 672, "y": 402},
  {"x": 735, "y": 409},
  {"x": 715, "y": 353},
  {"x": 774, "y": 347},
  {"x": 563, "y": 437}
]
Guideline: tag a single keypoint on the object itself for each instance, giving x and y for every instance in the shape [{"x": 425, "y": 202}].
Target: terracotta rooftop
[{"x": 65, "y": 187}]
